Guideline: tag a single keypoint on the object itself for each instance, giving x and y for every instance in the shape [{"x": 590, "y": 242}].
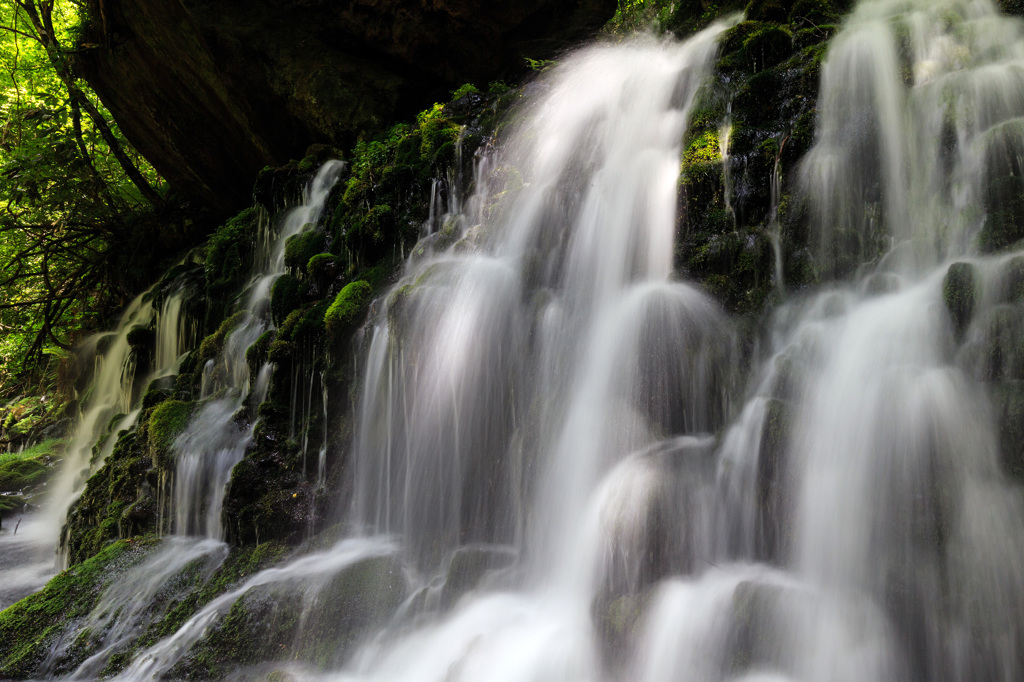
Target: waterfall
[
  {"x": 205, "y": 453},
  {"x": 558, "y": 470},
  {"x": 214, "y": 441}
]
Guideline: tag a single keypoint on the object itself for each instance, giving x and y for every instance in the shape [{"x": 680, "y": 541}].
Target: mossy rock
[
  {"x": 303, "y": 246},
  {"x": 1008, "y": 405},
  {"x": 256, "y": 354},
  {"x": 141, "y": 338},
  {"x": 753, "y": 628},
  {"x": 468, "y": 567},
  {"x": 31, "y": 628},
  {"x": 1011, "y": 281},
  {"x": 230, "y": 254},
  {"x": 285, "y": 296},
  {"x": 768, "y": 47},
  {"x": 773, "y": 529},
  {"x": 321, "y": 630},
  {"x": 621, "y": 623},
  {"x": 17, "y": 475},
  {"x": 166, "y": 422},
  {"x": 769, "y": 10},
  {"x": 322, "y": 269},
  {"x": 212, "y": 344},
  {"x": 349, "y": 307},
  {"x": 280, "y": 351},
  {"x": 309, "y": 328},
  {"x": 960, "y": 291}
]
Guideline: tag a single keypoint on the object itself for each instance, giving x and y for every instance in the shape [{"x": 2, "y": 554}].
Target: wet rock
[
  {"x": 881, "y": 283},
  {"x": 790, "y": 377},
  {"x": 141, "y": 338},
  {"x": 1011, "y": 281},
  {"x": 317, "y": 619},
  {"x": 468, "y": 567},
  {"x": 756, "y": 640},
  {"x": 620, "y": 624},
  {"x": 995, "y": 349},
  {"x": 1008, "y": 406},
  {"x": 960, "y": 289},
  {"x": 20, "y": 474},
  {"x": 773, "y": 523}
]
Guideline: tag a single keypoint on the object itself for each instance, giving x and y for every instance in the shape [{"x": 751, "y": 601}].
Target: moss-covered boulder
[
  {"x": 230, "y": 254},
  {"x": 348, "y": 307},
  {"x": 26, "y": 471},
  {"x": 1008, "y": 406},
  {"x": 468, "y": 567},
  {"x": 30, "y": 629},
  {"x": 19, "y": 474},
  {"x": 165, "y": 423},
  {"x": 1010, "y": 281},
  {"x": 302, "y": 246},
  {"x": 286, "y": 295},
  {"x": 141, "y": 338},
  {"x": 960, "y": 292},
  {"x": 318, "y": 619}
]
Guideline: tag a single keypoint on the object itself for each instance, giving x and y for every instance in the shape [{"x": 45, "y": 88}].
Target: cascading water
[
  {"x": 213, "y": 442},
  {"x": 550, "y": 442},
  {"x": 205, "y": 453}
]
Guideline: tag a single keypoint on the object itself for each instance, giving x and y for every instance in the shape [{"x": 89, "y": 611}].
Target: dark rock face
[{"x": 211, "y": 91}]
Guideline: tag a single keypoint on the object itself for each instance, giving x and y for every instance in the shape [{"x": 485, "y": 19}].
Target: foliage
[{"x": 70, "y": 191}]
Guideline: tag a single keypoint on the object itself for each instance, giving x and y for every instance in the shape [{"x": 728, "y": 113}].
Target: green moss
[
  {"x": 213, "y": 343},
  {"x": 321, "y": 268},
  {"x": 141, "y": 337},
  {"x": 29, "y": 468},
  {"x": 240, "y": 564},
  {"x": 20, "y": 474},
  {"x": 320, "y": 630},
  {"x": 960, "y": 290},
  {"x": 256, "y": 354},
  {"x": 302, "y": 246},
  {"x": 229, "y": 254},
  {"x": 280, "y": 351},
  {"x": 465, "y": 89},
  {"x": 30, "y": 628},
  {"x": 1011, "y": 281},
  {"x": 703, "y": 148},
  {"x": 348, "y": 307},
  {"x": 285, "y": 296},
  {"x": 310, "y": 325},
  {"x": 165, "y": 423}
]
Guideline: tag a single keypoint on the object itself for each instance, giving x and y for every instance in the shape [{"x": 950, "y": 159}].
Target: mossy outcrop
[
  {"x": 318, "y": 625},
  {"x": 31, "y": 627},
  {"x": 748, "y": 131},
  {"x": 960, "y": 291}
]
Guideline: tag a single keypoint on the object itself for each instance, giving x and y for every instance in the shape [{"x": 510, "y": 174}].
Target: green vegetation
[
  {"x": 76, "y": 202},
  {"x": 348, "y": 307},
  {"x": 28, "y": 628},
  {"x": 301, "y": 247}
]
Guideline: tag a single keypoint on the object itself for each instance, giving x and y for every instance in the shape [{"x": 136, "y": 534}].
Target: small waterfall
[
  {"x": 214, "y": 440},
  {"x": 217, "y": 437},
  {"x": 111, "y": 393}
]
